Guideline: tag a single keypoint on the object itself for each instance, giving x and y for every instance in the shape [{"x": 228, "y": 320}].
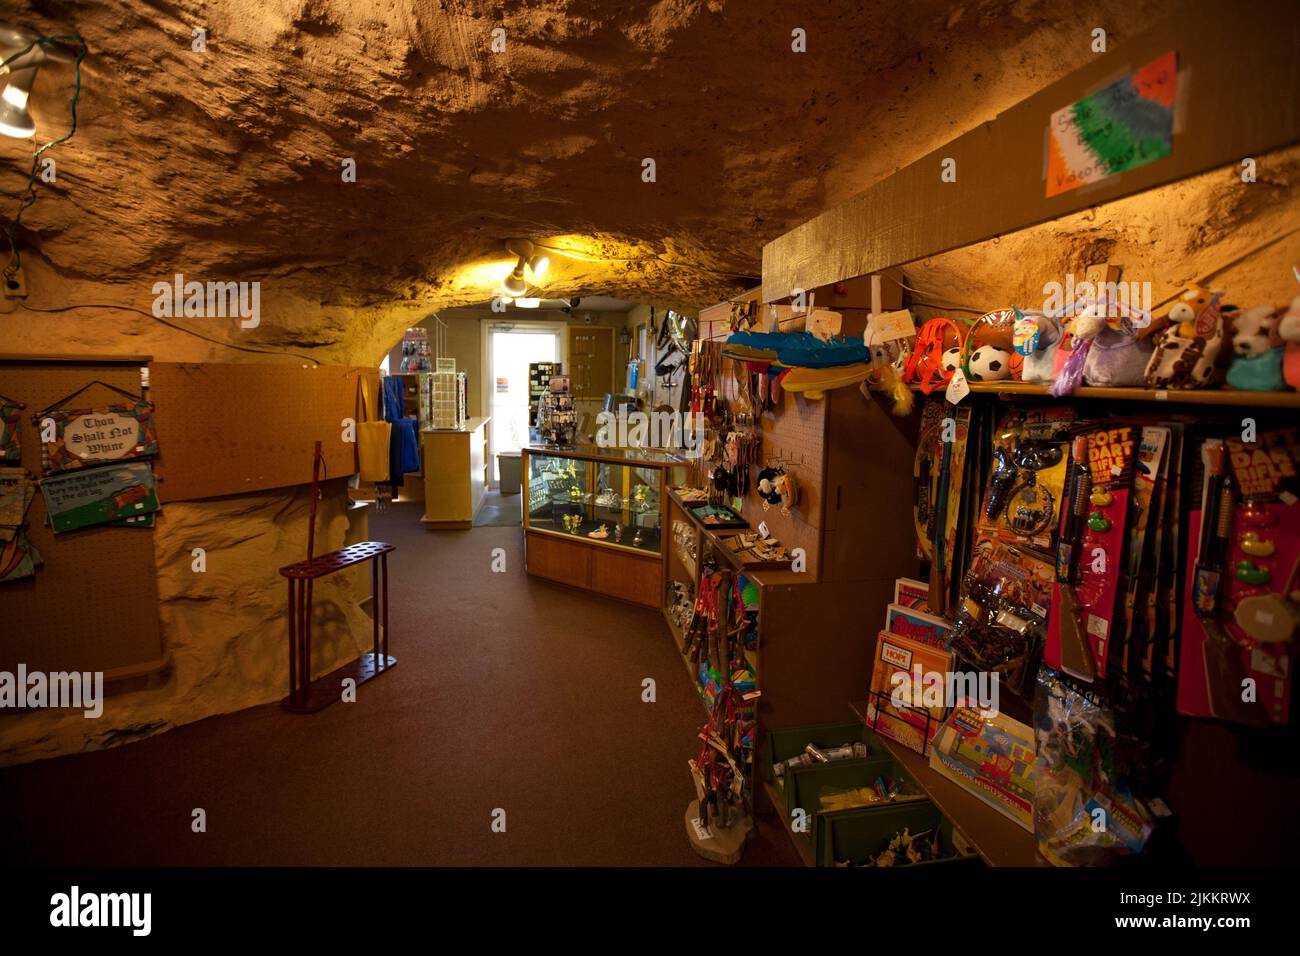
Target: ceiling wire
[{"x": 178, "y": 328}]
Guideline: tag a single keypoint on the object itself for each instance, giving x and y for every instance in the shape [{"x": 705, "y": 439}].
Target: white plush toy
[
  {"x": 1256, "y": 353},
  {"x": 1288, "y": 330}
]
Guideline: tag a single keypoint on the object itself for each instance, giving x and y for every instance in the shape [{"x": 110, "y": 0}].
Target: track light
[
  {"x": 526, "y": 262},
  {"x": 527, "y": 303},
  {"x": 23, "y": 53}
]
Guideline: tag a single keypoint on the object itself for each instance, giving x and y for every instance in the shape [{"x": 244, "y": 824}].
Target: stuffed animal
[
  {"x": 1038, "y": 337},
  {"x": 1288, "y": 330},
  {"x": 1256, "y": 350},
  {"x": 1188, "y": 342}
]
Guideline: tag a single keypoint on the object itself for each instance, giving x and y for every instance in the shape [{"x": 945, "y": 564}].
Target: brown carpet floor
[{"x": 509, "y": 693}]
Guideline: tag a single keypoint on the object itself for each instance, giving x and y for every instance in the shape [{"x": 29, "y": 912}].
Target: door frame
[{"x": 486, "y": 387}]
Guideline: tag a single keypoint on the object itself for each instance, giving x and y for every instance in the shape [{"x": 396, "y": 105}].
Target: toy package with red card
[
  {"x": 1242, "y": 608},
  {"x": 1090, "y": 553}
]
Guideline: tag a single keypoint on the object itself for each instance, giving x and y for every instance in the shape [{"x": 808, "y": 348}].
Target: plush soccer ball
[
  {"x": 951, "y": 361},
  {"x": 988, "y": 364}
]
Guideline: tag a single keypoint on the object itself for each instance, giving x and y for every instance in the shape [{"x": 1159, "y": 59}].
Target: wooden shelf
[
  {"x": 1208, "y": 396},
  {"x": 999, "y": 840}
]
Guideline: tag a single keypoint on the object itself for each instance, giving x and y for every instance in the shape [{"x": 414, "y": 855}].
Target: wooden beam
[{"x": 1237, "y": 76}]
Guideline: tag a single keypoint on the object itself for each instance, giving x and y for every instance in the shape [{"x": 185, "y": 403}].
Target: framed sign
[
  {"x": 96, "y": 436},
  {"x": 81, "y": 499}
]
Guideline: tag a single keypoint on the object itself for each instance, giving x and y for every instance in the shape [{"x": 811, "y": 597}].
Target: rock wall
[{"x": 225, "y": 630}]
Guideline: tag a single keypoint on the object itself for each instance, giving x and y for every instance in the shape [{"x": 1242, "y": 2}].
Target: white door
[{"x": 510, "y": 350}]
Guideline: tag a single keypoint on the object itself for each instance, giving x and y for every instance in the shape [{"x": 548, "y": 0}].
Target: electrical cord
[
  {"x": 28, "y": 196},
  {"x": 178, "y": 328}
]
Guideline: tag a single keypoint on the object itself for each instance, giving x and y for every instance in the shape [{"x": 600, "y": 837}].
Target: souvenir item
[
  {"x": 1037, "y": 338},
  {"x": 1188, "y": 342},
  {"x": 990, "y": 756},
  {"x": 988, "y": 350},
  {"x": 94, "y": 496},
  {"x": 907, "y": 696},
  {"x": 1000, "y": 616},
  {"x": 935, "y": 356},
  {"x": 1117, "y": 360},
  {"x": 97, "y": 435},
  {"x": 1076, "y": 782},
  {"x": 1028, "y": 480},
  {"x": 1111, "y": 451},
  {"x": 1257, "y": 352},
  {"x": 1243, "y": 610},
  {"x": 917, "y": 624},
  {"x": 1288, "y": 330}
]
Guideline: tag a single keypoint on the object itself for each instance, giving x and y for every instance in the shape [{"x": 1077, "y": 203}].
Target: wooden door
[{"x": 591, "y": 361}]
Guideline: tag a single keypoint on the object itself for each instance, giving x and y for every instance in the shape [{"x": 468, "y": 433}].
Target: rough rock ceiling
[{"x": 226, "y": 164}]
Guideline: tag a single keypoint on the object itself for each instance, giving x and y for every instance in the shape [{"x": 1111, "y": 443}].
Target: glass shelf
[{"x": 612, "y": 498}]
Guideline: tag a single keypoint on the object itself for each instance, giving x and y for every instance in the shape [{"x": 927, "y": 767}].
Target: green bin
[
  {"x": 855, "y": 835},
  {"x": 784, "y": 744}
]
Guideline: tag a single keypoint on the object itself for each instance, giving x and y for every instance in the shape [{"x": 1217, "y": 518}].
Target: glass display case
[{"x": 615, "y": 499}]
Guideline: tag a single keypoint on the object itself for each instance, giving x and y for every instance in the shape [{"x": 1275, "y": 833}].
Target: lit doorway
[{"x": 510, "y": 350}]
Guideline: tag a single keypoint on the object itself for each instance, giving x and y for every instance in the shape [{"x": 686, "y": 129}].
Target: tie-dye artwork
[{"x": 1126, "y": 125}]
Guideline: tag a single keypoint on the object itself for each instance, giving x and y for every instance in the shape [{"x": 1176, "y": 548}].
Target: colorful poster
[
  {"x": 95, "y": 496},
  {"x": 93, "y": 436},
  {"x": 1126, "y": 125}
]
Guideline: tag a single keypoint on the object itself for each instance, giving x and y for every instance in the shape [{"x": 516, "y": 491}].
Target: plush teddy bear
[
  {"x": 1288, "y": 330},
  {"x": 1256, "y": 350}
]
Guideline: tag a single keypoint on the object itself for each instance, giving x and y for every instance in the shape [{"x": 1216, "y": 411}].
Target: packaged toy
[
  {"x": 991, "y": 756},
  {"x": 908, "y": 692},
  {"x": 1037, "y": 338},
  {"x": 988, "y": 353},
  {"x": 936, "y": 355}
]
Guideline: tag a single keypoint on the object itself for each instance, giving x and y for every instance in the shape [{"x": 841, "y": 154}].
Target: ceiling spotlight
[
  {"x": 527, "y": 303},
  {"x": 526, "y": 262},
  {"x": 23, "y": 53}
]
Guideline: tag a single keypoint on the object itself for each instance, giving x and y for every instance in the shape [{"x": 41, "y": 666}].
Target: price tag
[
  {"x": 701, "y": 831},
  {"x": 958, "y": 387},
  {"x": 889, "y": 326},
  {"x": 1098, "y": 626},
  {"x": 762, "y": 529}
]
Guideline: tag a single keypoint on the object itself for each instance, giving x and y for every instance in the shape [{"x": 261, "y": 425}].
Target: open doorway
[{"x": 510, "y": 350}]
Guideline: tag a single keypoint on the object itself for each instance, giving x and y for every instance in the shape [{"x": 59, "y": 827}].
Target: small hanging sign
[
  {"x": 77, "y": 437},
  {"x": 82, "y": 499}
]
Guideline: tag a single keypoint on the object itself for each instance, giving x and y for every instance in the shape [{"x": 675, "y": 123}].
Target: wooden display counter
[
  {"x": 593, "y": 519},
  {"x": 455, "y": 473}
]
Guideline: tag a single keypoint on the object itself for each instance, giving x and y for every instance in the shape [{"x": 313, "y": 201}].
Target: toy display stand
[
  {"x": 719, "y": 844},
  {"x": 305, "y": 695}
]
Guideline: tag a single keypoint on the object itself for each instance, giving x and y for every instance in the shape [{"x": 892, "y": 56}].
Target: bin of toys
[
  {"x": 803, "y": 746},
  {"x": 901, "y": 835}
]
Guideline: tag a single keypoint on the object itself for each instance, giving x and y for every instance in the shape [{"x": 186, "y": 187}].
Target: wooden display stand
[
  {"x": 456, "y": 471},
  {"x": 624, "y": 573}
]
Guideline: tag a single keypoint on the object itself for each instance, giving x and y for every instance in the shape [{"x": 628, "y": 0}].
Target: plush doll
[
  {"x": 1084, "y": 329},
  {"x": 1117, "y": 359},
  {"x": 1189, "y": 339},
  {"x": 1256, "y": 350},
  {"x": 1038, "y": 338},
  {"x": 1288, "y": 330}
]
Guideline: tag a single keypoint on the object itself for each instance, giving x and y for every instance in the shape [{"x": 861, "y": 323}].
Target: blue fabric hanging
[{"x": 404, "y": 444}]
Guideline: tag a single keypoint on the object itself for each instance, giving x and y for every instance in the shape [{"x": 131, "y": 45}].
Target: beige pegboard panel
[
  {"x": 93, "y": 605},
  {"x": 226, "y": 429}
]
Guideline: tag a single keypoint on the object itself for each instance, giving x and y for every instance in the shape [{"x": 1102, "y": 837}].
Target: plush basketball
[{"x": 989, "y": 364}]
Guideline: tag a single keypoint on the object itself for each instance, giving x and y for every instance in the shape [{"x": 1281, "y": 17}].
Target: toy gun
[
  {"x": 1076, "y": 655},
  {"x": 1222, "y": 656}
]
